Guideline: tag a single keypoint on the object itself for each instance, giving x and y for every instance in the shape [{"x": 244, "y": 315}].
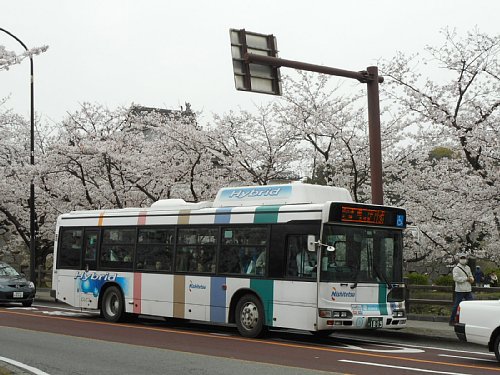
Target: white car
[{"x": 479, "y": 322}]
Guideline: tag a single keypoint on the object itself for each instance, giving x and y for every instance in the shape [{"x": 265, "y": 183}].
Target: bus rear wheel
[
  {"x": 250, "y": 316},
  {"x": 112, "y": 307}
]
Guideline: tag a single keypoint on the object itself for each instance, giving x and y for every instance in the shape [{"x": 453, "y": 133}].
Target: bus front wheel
[
  {"x": 112, "y": 307},
  {"x": 250, "y": 316}
]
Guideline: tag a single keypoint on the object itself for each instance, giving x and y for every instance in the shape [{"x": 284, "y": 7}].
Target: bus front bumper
[{"x": 361, "y": 322}]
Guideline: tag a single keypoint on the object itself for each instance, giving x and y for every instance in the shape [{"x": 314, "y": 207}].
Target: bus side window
[
  {"x": 196, "y": 250},
  {"x": 117, "y": 248},
  {"x": 244, "y": 250},
  {"x": 70, "y": 248},
  {"x": 300, "y": 262},
  {"x": 155, "y": 249}
]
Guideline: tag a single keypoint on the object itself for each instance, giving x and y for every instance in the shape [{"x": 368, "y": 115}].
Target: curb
[
  {"x": 428, "y": 318},
  {"x": 9, "y": 369}
]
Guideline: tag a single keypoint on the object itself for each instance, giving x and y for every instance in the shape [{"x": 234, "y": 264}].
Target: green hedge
[
  {"x": 445, "y": 280},
  {"x": 417, "y": 279}
]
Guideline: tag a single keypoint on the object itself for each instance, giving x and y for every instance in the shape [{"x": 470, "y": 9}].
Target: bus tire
[
  {"x": 250, "y": 316},
  {"x": 112, "y": 307}
]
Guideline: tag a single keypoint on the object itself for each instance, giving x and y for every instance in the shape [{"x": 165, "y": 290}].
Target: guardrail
[{"x": 435, "y": 289}]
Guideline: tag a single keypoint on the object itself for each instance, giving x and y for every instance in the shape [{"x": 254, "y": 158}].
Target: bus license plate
[
  {"x": 18, "y": 295},
  {"x": 375, "y": 322}
]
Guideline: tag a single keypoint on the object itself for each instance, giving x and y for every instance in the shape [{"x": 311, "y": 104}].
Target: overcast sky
[{"x": 165, "y": 53}]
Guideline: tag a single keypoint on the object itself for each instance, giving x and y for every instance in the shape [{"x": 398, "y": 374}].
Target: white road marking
[
  {"x": 21, "y": 308},
  {"x": 397, "y": 349},
  {"x": 417, "y": 346},
  {"x": 67, "y": 309},
  {"x": 474, "y": 358},
  {"x": 23, "y": 366},
  {"x": 403, "y": 368},
  {"x": 65, "y": 313}
]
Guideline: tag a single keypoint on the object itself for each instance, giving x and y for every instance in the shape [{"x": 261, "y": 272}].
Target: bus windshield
[{"x": 360, "y": 254}]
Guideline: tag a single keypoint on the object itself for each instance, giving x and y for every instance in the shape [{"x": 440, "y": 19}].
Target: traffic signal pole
[{"x": 372, "y": 79}]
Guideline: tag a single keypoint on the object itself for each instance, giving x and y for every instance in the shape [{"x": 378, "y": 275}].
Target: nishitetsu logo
[
  {"x": 196, "y": 286},
  {"x": 341, "y": 294}
]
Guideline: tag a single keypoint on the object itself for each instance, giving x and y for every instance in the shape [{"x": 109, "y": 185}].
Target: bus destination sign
[
  {"x": 367, "y": 215},
  {"x": 363, "y": 215}
]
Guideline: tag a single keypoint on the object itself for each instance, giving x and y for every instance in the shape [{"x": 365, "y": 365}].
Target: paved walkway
[
  {"x": 416, "y": 325},
  {"x": 431, "y": 328}
]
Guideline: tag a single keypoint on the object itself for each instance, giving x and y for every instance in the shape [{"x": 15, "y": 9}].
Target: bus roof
[
  {"x": 296, "y": 193},
  {"x": 248, "y": 196}
]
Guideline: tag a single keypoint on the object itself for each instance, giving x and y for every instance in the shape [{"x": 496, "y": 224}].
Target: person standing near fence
[
  {"x": 479, "y": 276},
  {"x": 462, "y": 275}
]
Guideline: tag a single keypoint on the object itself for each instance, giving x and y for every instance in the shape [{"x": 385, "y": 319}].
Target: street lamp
[{"x": 32, "y": 162}]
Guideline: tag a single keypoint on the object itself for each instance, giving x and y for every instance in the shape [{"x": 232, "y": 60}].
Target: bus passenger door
[
  {"x": 85, "y": 294},
  {"x": 91, "y": 240}
]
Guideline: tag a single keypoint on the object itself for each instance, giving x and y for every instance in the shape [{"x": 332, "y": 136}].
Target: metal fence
[
  {"x": 434, "y": 294},
  {"x": 43, "y": 276}
]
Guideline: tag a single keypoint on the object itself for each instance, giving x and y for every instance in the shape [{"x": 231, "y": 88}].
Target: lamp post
[{"x": 32, "y": 162}]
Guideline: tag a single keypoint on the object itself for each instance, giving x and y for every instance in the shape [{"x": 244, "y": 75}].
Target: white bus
[{"x": 294, "y": 256}]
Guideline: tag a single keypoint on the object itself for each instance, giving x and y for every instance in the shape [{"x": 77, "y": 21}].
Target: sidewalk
[{"x": 433, "y": 329}]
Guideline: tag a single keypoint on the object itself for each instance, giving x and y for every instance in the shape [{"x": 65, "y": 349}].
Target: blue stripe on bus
[
  {"x": 218, "y": 299},
  {"x": 223, "y": 215}
]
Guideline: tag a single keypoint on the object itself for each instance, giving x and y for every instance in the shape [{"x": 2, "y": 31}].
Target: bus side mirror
[{"x": 311, "y": 242}]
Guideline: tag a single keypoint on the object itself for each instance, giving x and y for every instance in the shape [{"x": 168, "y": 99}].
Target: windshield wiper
[
  {"x": 382, "y": 277},
  {"x": 355, "y": 279}
]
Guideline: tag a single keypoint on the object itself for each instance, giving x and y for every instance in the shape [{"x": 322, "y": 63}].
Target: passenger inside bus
[
  {"x": 305, "y": 261},
  {"x": 260, "y": 263},
  {"x": 247, "y": 263}
]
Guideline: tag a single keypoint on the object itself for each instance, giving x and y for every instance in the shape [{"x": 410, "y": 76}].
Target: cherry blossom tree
[
  {"x": 440, "y": 145},
  {"x": 9, "y": 58},
  {"x": 100, "y": 159},
  {"x": 333, "y": 127},
  {"x": 14, "y": 165},
  {"x": 454, "y": 200},
  {"x": 253, "y": 148}
]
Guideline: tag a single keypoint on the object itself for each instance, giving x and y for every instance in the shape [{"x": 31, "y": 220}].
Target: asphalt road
[{"x": 58, "y": 341}]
